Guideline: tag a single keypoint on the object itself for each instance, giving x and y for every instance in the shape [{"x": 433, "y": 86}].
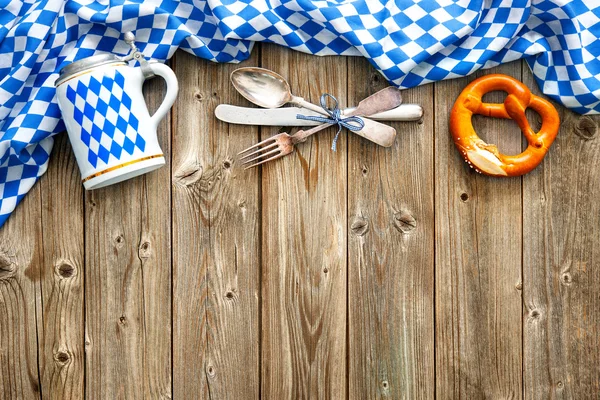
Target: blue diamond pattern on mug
[{"x": 103, "y": 110}]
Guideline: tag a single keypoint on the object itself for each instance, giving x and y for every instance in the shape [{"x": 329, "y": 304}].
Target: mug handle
[{"x": 172, "y": 88}]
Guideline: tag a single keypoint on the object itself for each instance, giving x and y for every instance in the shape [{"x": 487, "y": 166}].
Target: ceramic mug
[{"x": 109, "y": 126}]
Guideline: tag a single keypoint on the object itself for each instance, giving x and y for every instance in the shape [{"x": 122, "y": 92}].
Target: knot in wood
[
  {"x": 198, "y": 96},
  {"x": 227, "y": 163},
  {"x": 404, "y": 221},
  {"x": 145, "y": 250},
  {"x": 120, "y": 239},
  {"x": 188, "y": 174},
  {"x": 7, "y": 266},
  {"x": 566, "y": 279},
  {"x": 534, "y": 314},
  {"x": 375, "y": 79},
  {"x": 65, "y": 270},
  {"x": 586, "y": 128},
  {"x": 62, "y": 357},
  {"x": 210, "y": 371},
  {"x": 464, "y": 197},
  {"x": 360, "y": 226}
]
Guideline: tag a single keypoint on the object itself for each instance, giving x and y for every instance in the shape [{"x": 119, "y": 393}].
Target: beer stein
[{"x": 110, "y": 129}]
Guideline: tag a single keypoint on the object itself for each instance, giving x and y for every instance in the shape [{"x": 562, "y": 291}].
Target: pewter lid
[{"x": 85, "y": 64}]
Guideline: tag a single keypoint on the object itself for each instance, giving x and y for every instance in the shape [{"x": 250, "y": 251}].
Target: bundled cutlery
[{"x": 270, "y": 90}]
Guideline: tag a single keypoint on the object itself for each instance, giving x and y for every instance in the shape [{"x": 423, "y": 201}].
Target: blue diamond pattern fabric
[
  {"x": 411, "y": 42},
  {"x": 102, "y": 109}
]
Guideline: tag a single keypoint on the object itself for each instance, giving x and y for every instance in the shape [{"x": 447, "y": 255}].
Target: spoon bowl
[{"x": 262, "y": 87}]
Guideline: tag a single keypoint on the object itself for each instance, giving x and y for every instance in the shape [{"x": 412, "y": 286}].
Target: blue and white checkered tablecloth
[{"x": 410, "y": 41}]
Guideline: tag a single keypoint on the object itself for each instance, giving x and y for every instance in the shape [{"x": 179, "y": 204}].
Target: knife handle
[{"x": 404, "y": 112}]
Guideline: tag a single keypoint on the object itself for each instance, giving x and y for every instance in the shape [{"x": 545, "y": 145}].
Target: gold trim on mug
[{"x": 128, "y": 163}]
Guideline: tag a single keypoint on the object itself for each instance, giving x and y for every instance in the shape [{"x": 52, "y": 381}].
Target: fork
[{"x": 276, "y": 146}]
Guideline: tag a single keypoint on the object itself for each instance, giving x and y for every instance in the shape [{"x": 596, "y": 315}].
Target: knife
[{"x": 286, "y": 116}]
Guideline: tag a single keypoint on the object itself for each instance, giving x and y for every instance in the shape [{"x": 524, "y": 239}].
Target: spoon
[
  {"x": 268, "y": 89},
  {"x": 383, "y": 100}
]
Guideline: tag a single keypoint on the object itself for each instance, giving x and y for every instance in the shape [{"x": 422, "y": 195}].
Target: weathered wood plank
[
  {"x": 62, "y": 344},
  {"x": 20, "y": 299},
  {"x": 128, "y": 281},
  {"x": 216, "y": 241},
  {"x": 478, "y": 260},
  {"x": 304, "y": 246},
  {"x": 561, "y": 216},
  {"x": 391, "y": 253}
]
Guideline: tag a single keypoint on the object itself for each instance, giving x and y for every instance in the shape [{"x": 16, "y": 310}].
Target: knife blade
[{"x": 286, "y": 116}]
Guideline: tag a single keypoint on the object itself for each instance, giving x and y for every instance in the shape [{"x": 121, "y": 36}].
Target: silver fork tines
[
  {"x": 263, "y": 155},
  {"x": 264, "y": 149},
  {"x": 276, "y": 146},
  {"x": 264, "y": 161},
  {"x": 258, "y": 151},
  {"x": 271, "y": 139}
]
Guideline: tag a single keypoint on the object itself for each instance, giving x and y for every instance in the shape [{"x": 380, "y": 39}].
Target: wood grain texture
[
  {"x": 62, "y": 276},
  {"x": 366, "y": 273},
  {"x": 391, "y": 253},
  {"x": 20, "y": 300},
  {"x": 561, "y": 216},
  {"x": 478, "y": 260},
  {"x": 216, "y": 241},
  {"x": 304, "y": 246},
  {"x": 128, "y": 281}
]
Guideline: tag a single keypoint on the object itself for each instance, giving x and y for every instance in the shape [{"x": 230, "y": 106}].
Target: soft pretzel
[{"x": 486, "y": 158}]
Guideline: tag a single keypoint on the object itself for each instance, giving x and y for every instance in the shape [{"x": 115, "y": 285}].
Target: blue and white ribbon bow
[
  {"x": 335, "y": 118},
  {"x": 410, "y": 42}
]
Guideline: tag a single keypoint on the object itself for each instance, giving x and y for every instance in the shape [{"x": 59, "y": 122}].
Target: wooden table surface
[{"x": 363, "y": 273}]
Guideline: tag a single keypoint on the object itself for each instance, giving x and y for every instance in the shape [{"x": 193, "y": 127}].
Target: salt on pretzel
[{"x": 486, "y": 158}]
